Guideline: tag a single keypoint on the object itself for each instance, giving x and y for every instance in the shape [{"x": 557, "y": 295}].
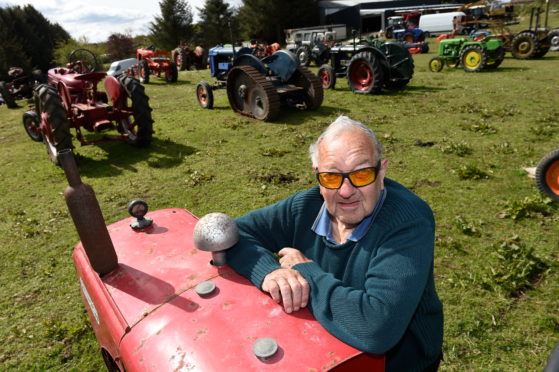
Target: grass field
[{"x": 497, "y": 238}]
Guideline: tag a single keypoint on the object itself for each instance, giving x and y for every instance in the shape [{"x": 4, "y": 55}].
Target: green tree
[
  {"x": 265, "y": 20},
  {"x": 216, "y": 18},
  {"x": 174, "y": 24},
  {"x": 120, "y": 46}
]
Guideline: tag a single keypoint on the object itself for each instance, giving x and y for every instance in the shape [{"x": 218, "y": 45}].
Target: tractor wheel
[
  {"x": 32, "y": 126},
  {"x": 314, "y": 94},
  {"x": 547, "y": 175},
  {"x": 205, "y": 95},
  {"x": 408, "y": 36},
  {"x": 180, "y": 59},
  {"x": 436, "y": 64},
  {"x": 7, "y": 96},
  {"x": 473, "y": 58},
  {"x": 57, "y": 135},
  {"x": 304, "y": 55},
  {"x": 542, "y": 51},
  {"x": 364, "y": 73},
  {"x": 171, "y": 72},
  {"x": 137, "y": 127},
  {"x": 327, "y": 77},
  {"x": 39, "y": 76},
  {"x": 498, "y": 59},
  {"x": 525, "y": 45},
  {"x": 553, "y": 38},
  {"x": 250, "y": 94},
  {"x": 143, "y": 72}
]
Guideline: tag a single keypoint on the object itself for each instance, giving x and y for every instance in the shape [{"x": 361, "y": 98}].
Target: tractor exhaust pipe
[{"x": 88, "y": 219}]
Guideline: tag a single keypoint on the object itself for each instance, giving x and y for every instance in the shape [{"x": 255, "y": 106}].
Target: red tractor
[
  {"x": 154, "y": 62},
  {"x": 186, "y": 59},
  {"x": 71, "y": 99},
  {"x": 160, "y": 297}
]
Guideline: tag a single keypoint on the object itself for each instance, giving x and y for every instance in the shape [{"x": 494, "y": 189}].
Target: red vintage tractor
[
  {"x": 158, "y": 300},
  {"x": 71, "y": 99},
  {"x": 154, "y": 62},
  {"x": 19, "y": 85},
  {"x": 186, "y": 58}
]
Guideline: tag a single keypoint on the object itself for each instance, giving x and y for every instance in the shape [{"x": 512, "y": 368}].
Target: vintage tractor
[
  {"x": 19, "y": 86},
  {"x": 257, "y": 87},
  {"x": 547, "y": 174},
  {"x": 472, "y": 55},
  {"x": 71, "y": 99},
  {"x": 154, "y": 62},
  {"x": 399, "y": 29},
  {"x": 187, "y": 59},
  {"x": 369, "y": 68},
  {"x": 160, "y": 296}
]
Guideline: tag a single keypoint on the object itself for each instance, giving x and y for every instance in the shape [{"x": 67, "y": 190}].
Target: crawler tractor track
[
  {"x": 313, "y": 87},
  {"x": 251, "y": 94}
]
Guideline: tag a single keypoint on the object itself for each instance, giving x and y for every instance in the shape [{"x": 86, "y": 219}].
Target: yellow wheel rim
[
  {"x": 472, "y": 59},
  {"x": 435, "y": 65}
]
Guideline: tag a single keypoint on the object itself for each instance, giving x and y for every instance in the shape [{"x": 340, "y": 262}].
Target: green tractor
[{"x": 472, "y": 55}]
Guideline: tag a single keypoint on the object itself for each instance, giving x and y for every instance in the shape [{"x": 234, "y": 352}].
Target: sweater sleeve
[
  {"x": 263, "y": 232},
  {"x": 374, "y": 318}
]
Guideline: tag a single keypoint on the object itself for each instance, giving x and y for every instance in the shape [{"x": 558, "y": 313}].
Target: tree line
[{"x": 30, "y": 41}]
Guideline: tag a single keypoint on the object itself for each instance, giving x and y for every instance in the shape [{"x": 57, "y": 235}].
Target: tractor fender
[
  {"x": 282, "y": 64},
  {"x": 113, "y": 88},
  {"x": 250, "y": 60}
]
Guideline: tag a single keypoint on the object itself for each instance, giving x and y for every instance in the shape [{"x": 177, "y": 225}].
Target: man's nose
[{"x": 347, "y": 189}]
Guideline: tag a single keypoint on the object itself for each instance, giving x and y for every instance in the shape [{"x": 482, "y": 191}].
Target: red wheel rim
[
  {"x": 552, "y": 177},
  {"x": 362, "y": 76},
  {"x": 202, "y": 95},
  {"x": 179, "y": 59},
  {"x": 32, "y": 127},
  {"x": 325, "y": 78}
]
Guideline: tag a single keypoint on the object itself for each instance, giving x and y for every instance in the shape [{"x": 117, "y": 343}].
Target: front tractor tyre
[
  {"x": 56, "y": 135},
  {"x": 143, "y": 72},
  {"x": 364, "y": 73},
  {"x": 138, "y": 126},
  {"x": 525, "y": 45},
  {"x": 205, "y": 95},
  {"x": 304, "y": 55},
  {"x": 180, "y": 58},
  {"x": 327, "y": 77},
  {"x": 436, "y": 64},
  {"x": 547, "y": 175},
  {"x": 32, "y": 126},
  {"x": 171, "y": 72},
  {"x": 553, "y": 38},
  {"x": 473, "y": 58},
  {"x": 7, "y": 96}
]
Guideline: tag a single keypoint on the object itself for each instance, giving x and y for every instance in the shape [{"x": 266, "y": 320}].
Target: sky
[{"x": 97, "y": 19}]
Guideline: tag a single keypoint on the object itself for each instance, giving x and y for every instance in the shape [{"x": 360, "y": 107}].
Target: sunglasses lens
[
  {"x": 363, "y": 177},
  {"x": 330, "y": 180}
]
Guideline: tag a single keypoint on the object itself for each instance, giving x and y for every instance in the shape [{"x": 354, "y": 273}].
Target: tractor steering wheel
[{"x": 82, "y": 61}]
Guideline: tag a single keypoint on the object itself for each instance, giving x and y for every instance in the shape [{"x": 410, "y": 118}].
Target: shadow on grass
[
  {"x": 293, "y": 116},
  {"x": 412, "y": 89},
  {"x": 120, "y": 157}
]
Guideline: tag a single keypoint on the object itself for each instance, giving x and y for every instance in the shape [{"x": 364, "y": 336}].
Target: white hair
[{"x": 343, "y": 123}]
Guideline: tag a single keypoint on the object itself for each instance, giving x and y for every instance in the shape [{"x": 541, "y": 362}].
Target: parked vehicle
[
  {"x": 256, "y": 87},
  {"x": 160, "y": 296},
  {"x": 19, "y": 86},
  {"x": 312, "y": 44},
  {"x": 71, "y": 99},
  {"x": 369, "y": 68},
  {"x": 187, "y": 59},
  {"x": 439, "y": 23},
  {"x": 472, "y": 55},
  {"x": 120, "y": 67},
  {"x": 547, "y": 174},
  {"x": 154, "y": 62},
  {"x": 398, "y": 29}
]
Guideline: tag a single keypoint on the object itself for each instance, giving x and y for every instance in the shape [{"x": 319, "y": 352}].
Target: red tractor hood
[{"x": 147, "y": 315}]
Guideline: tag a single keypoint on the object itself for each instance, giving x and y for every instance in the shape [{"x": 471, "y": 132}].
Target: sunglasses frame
[{"x": 345, "y": 175}]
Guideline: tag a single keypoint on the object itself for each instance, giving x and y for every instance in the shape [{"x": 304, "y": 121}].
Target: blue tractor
[
  {"x": 398, "y": 29},
  {"x": 256, "y": 87}
]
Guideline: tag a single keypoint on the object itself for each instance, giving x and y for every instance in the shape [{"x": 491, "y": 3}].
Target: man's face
[{"x": 345, "y": 152}]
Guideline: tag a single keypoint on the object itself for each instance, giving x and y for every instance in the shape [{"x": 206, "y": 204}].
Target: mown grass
[{"x": 459, "y": 140}]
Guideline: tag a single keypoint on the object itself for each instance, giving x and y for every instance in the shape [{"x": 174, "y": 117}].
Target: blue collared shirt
[{"x": 323, "y": 227}]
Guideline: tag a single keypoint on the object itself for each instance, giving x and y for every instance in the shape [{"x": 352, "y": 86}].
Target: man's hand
[
  {"x": 289, "y": 287},
  {"x": 290, "y": 257}
]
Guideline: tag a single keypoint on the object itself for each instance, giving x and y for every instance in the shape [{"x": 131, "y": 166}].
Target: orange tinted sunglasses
[{"x": 358, "y": 178}]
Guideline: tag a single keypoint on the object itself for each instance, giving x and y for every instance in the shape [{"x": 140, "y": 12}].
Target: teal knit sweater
[{"x": 378, "y": 294}]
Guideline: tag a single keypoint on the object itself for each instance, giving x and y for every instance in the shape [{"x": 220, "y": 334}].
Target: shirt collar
[{"x": 322, "y": 224}]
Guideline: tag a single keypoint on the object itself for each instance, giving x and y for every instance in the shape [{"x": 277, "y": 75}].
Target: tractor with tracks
[
  {"x": 369, "y": 67},
  {"x": 19, "y": 85},
  {"x": 71, "y": 99},
  {"x": 472, "y": 55},
  {"x": 256, "y": 87}
]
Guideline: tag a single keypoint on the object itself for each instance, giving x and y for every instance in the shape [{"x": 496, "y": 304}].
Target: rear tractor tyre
[
  {"x": 137, "y": 127},
  {"x": 314, "y": 94},
  {"x": 547, "y": 175},
  {"x": 364, "y": 73},
  {"x": 327, "y": 77},
  {"x": 7, "y": 96},
  {"x": 473, "y": 58},
  {"x": 204, "y": 94},
  {"x": 304, "y": 55},
  {"x": 171, "y": 73},
  {"x": 32, "y": 126},
  {"x": 436, "y": 64},
  {"x": 525, "y": 45},
  {"x": 143, "y": 72},
  {"x": 57, "y": 136}
]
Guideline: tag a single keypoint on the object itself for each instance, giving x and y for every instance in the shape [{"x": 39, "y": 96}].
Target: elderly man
[{"x": 357, "y": 249}]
